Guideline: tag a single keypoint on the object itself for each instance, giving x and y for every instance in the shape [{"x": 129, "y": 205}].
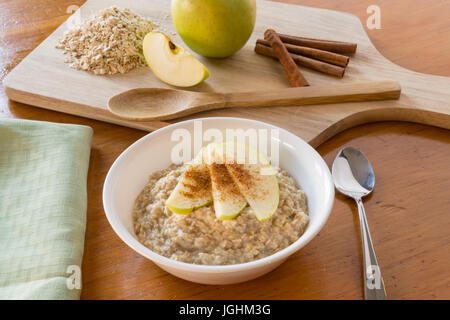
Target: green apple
[
  {"x": 214, "y": 28},
  {"x": 193, "y": 190},
  {"x": 171, "y": 63}
]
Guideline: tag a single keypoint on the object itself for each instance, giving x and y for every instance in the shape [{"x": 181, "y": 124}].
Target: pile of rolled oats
[{"x": 107, "y": 43}]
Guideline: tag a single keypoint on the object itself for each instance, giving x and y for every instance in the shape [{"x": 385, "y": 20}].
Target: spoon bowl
[
  {"x": 153, "y": 103},
  {"x": 353, "y": 173}
]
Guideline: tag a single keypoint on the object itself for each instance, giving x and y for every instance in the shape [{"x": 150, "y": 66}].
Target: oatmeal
[
  {"x": 107, "y": 43},
  {"x": 201, "y": 238}
]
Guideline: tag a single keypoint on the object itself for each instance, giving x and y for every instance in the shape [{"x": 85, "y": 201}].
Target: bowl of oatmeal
[{"x": 199, "y": 244}]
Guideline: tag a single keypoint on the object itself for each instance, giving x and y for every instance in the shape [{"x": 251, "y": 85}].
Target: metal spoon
[
  {"x": 145, "y": 104},
  {"x": 353, "y": 176}
]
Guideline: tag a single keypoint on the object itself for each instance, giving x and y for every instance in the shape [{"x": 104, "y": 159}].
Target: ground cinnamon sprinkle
[
  {"x": 222, "y": 180},
  {"x": 241, "y": 173},
  {"x": 200, "y": 182}
]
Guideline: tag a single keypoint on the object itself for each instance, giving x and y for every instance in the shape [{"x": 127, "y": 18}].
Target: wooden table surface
[{"x": 408, "y": 212}]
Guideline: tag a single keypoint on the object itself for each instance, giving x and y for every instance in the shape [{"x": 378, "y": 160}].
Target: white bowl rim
[{"x": 159, "y": 259}]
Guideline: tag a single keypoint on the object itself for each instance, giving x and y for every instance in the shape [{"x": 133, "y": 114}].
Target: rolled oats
[{"x": 107, "y": 43}]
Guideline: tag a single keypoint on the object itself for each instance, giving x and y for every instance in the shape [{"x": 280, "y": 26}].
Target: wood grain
[{"x": 407, "y": 213}]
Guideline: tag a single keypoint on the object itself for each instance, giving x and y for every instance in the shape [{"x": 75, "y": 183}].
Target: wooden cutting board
[{"x": 44, "y": 80}]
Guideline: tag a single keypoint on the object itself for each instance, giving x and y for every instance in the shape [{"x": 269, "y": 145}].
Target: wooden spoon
[{"x": 163, "y": 104}]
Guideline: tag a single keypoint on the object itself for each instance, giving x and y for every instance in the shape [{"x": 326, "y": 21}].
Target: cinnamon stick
[
  {"x": 326, "y": 56},
  {"x": 327, "y": 45},
  {"x": 317, "y": 65},
  {"x": 293, "y": 72}
]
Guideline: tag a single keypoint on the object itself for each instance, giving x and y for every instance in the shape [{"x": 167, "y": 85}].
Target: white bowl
[{"x": 129, "y": 174}]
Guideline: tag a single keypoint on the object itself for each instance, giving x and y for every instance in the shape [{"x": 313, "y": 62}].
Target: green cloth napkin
[{"x": 43, "y": 172}]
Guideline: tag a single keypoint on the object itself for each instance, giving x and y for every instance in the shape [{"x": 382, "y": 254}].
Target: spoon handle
[
  {"x": 373, "y": 281},
  {"x": 336, "y": 93}
]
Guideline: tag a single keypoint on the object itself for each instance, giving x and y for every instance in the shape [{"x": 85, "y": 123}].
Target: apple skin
[{"x": 214, "y": 28}]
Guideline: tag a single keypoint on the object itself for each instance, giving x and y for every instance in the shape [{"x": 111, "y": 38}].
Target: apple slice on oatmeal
[
  {"x": 193, "y": 189},
  {"x": 228, "y": 201},
  {"x": 255, "y": 177}
]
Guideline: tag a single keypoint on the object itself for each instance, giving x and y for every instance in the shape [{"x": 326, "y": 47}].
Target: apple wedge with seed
[{"x": 171, "y": 63}]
